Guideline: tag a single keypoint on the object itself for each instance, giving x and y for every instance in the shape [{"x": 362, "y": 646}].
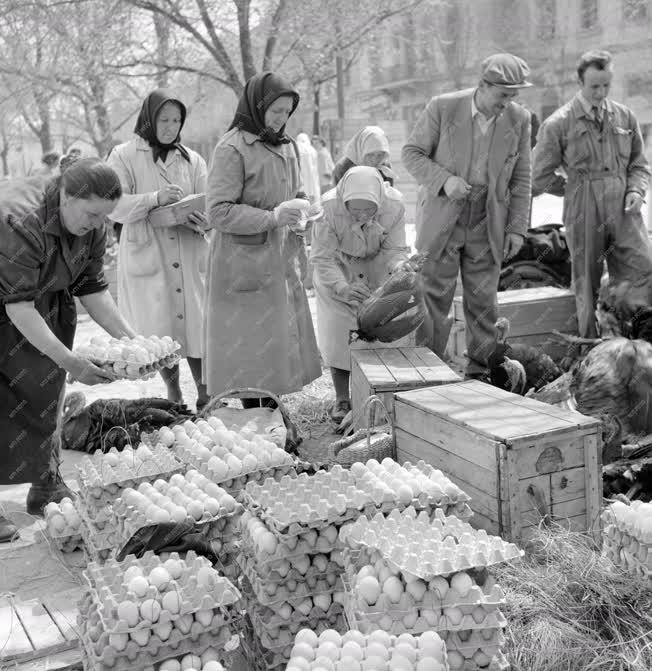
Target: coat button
[
  {"x": 175, "y": 265},
  {"x": 180, "y": 316},
  {"x": 178, "y": 291},
  {"x": 360, "y": 275}
]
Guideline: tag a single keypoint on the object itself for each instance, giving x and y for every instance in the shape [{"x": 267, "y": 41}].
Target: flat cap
[{"x": 506, "y": 70}]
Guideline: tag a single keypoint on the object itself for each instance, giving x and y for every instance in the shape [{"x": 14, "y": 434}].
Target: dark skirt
[{"x": 30, "y": 387}]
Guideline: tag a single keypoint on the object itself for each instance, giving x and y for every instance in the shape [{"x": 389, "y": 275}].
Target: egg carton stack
[
  {"x": 407, "y": 573},
  {"x": 132, "y": 358},
  {"x": 378, "y": 650},
  {"x": 209, "y": 660},
  {"x": 627, "y": 537},
  {"x": 63, "y": 525},
  {"x": 230, "y": 458},
  {"x": 103, "y": 477},
  {"x": 183, "y": 498},
  {"x": 143, "y": 611}
]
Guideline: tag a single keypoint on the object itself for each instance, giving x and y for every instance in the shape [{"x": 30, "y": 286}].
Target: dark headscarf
[
  {"x": 259, "y": 93},
  {"x": 146, "y": 124}
]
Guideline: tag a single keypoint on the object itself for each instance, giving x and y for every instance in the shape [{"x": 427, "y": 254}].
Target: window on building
[
  {"x": 588, "y": 14},
  {"x": 636, "y": 11},
  {"x": 547, "y": 19}
]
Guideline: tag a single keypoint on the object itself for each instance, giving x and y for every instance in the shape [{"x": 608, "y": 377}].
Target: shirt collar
[
  {"x": 475, "y": 110},
  {"x": 588, "y": 106}
]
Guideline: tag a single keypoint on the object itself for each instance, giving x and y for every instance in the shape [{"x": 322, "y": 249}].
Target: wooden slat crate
[
  {"x": 410, "y": 340},
  {"x": 386, "y": 371},
  {"x": 515, "y": 457},
  {"x": 533, "y": 315},
  {"x": 31, "y": 630}
]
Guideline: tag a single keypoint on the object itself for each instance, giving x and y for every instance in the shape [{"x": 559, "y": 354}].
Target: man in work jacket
[
  {"x": 470, "y": 154},
  {"x": 598, "y": 144}
]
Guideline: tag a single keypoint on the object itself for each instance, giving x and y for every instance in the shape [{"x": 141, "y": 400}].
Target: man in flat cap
[
  {"x": 598, "y": 144},
  {"x": 470, "y": 154}
]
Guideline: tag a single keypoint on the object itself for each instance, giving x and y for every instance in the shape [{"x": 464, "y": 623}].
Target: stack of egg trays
[
  {"x": 277, "y": 502},
  {"x": 106, "y": 583},
  {"x": 134, "y": 370},
  {"x": 128, "y": 520},
  {"x": 624, "y": 549},
  {"x": 99, "y": 655},
  {"x": 69, "y": 539},
  {"x": 234, "y": 486},
  {"x": 447, "y": 554}
]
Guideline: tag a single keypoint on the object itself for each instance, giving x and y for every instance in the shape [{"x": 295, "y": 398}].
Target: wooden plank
[
  {"x": 360, "y": 392},
  {"x": 593, "y": 492},
  {"x": 64, "y": 614},
  {"x": 448, "y": 462},
  {"x": 567, "y": 485},
  {"x": 431, "y": 368},
  {"x": 515, "y": 522},
  {"x": 445, "y": 435},
  {"x": 400, "y": 368},
  {"x": 550, "y": 456},
  {"x": 479, "y": 521},
  {"x": 504, "y": 514},
  {"x": 372, "y": 367},
  {"x": 567, "y": 509},
  {"x": 526, "y": 501},
  {"x": 14, "y": 641},
  {"x": 39, "y": 626},
  {"x": 67, "y": 660}
]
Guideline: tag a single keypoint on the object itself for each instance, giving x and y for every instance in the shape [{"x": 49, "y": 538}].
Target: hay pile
[{"x": 570, "y": 609}]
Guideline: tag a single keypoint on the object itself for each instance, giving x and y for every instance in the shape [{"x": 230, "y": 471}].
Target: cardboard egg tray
[
  {"x": 497, "y": 663},
  {"x": 129, "y": 519},
  {"x": 99, "y": 655},
  {"x": 443, "y": 660},
  {"x": 68, "y": 540},
  {"x": 106, "y": 582},
  {"x": 622, "y": 558},
  {"x": 135, "y": 370},
  {"x": 104, "y": 482},
  {"x": 427, "y": 549},
  {"x": 622, "y": 539},
  {"x": 632, "y": 520},
  {"x": 268, "y": 563},
  {"x": 236, "y": 484}
]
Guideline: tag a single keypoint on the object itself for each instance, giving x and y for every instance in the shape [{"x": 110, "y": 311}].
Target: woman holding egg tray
[
  {"x": 162, "y": 267},
  {"x": 53, "y": 250}
]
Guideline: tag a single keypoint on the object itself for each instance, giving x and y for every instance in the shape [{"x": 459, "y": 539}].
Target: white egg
[
  {"x": 138, "y": 585},
  {"x": 190, "y": 662},
  {"x": 159, "y": 578},
  {"x": 128, "y": 611},
  {"x": 150, "y": 610}
]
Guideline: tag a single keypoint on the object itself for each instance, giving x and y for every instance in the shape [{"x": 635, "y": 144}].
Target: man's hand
[
  {"x": 513, "y": 244},
  {"x": 633, "y": 202},
  {"x": 456, "y": 188},
  {"x": 197, "y": 222},
  {"x": 355, "y": 293}
]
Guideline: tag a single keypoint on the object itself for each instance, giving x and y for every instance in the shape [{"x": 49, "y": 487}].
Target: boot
[
  {"x": 50, "y": 490},
  {"x": 8, "y": 530}
]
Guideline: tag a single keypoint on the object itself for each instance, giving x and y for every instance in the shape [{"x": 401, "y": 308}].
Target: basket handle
[
  {"x": 368, "y": 406},
  {"x": 235, "y": 393}
]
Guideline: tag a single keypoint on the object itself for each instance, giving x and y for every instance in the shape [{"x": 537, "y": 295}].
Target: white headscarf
[
  {"x": 363, "y": 183},
  {"x": 369, "y": 139}
]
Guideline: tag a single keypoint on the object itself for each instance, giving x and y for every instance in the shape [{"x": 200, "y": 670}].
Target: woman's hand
[
  {"x": 84, "y": 371},
  {"x": 356, "y": 293},
  {"x": 288, "y": 217},
  {"x": 197, "y": 222},
  {"x": 172, "y": 193}
]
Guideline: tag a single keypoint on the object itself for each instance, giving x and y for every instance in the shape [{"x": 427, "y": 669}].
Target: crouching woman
[{"x": 359, "y": 242}]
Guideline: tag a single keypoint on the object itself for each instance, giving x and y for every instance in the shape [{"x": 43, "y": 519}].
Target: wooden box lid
[
  {"x": 494, "y": 413},
  {"x": 400, "y": 367},
  {"x": 531, "y": 311}
]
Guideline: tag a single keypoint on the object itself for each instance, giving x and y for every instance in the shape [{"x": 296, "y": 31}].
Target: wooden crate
[
  {"x": 35, "y": 630},
  {"x": 504, "y": 451},
  {"x": 410, "y": 340},
  {"x": 386, "y": 371},
  {"x": 533, "y": 315}
]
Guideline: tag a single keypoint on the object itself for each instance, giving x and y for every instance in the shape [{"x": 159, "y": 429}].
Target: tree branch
[
  {"x": 270, "y": 45},
  {"x": 248, "y": 67}
]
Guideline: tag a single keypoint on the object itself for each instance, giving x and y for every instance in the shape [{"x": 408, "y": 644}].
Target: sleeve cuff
[{"x": 86, "y": 288}]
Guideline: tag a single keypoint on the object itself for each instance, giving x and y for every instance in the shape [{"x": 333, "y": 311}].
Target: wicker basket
[{"x": 375, "y": 442}]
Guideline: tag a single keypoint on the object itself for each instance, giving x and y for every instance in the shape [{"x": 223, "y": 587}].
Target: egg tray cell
[
  {"x": 250, "y": 567},
  {"x": 65, "y": 544},
  {"x": 129, "y": 520},
  {"x": 281, "y": 593},
  {"x": 97, "y": 556},
  {"x": 497, "y": 663},
  {"x": 106, "y": 538},
  {"x": 100, "y": 479},
  {"x": 278, "y": 638},
  {"x": 106, "y": 581},
  {"x": 268, "y": 617},
  {"x": 429, "y": 555},
  {"x": 614, "y": 536},
  {"x": 135, "y": 656}
]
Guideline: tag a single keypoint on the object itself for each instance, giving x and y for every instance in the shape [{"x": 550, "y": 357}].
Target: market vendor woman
[{"x": 53, "y": 244}]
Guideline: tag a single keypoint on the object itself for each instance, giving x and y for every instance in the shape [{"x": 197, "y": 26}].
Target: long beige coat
[
  {"x": 440, "y": 146},
  {"x": 335, "y": 269},
  {"x": 161, "y": 271},
  {"x": 258, "y": 330}
]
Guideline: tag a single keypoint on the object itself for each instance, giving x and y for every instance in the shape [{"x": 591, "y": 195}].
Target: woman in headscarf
[
  {"x": 162, "y": 269},
  {"x": 368, "y": 147},
  {"x": 53, "y": 245},
  {"x": 258, "y": 330},
  {"x": 359, "y": 242}
]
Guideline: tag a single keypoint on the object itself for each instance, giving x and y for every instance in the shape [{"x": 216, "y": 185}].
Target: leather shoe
[
  {"x": 8, "y": 530},
  {"x": 50, "y": 490}
]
